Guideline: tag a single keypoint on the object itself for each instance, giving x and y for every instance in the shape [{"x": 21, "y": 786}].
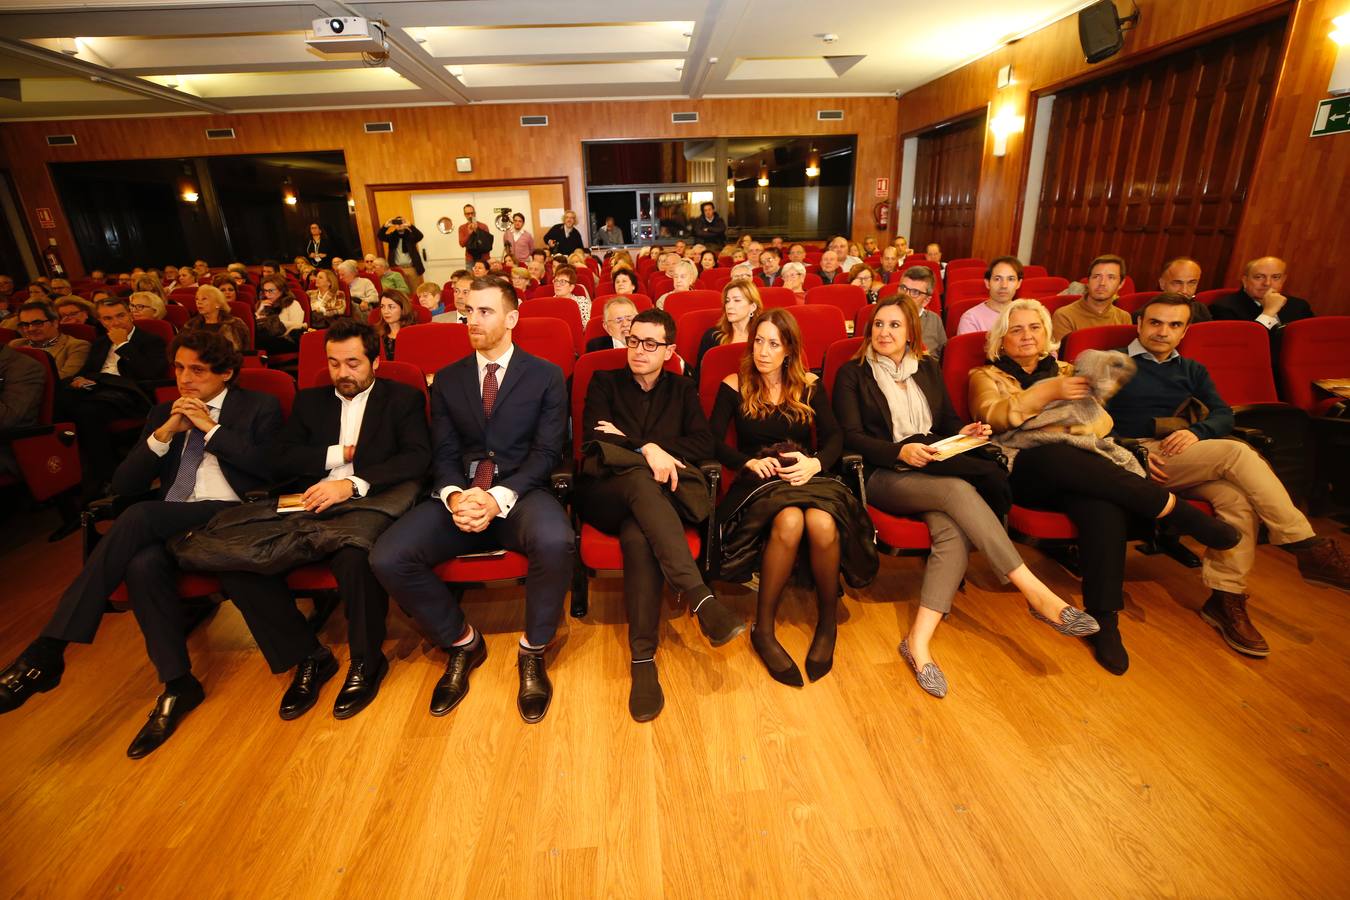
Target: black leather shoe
[
  {"x": 362, "y": 684},
  {"x": 303, "y": 693},
  {"x": 536, "y": 691},
  {"x": 718, "y": 624},
  {"x": 169, "y": 711},
  {"x": 454, "y": 684},
  {"x": 23, "y": 679}
]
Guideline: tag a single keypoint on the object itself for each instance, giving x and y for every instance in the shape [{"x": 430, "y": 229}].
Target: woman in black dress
[{"x": 781, "y": 494}]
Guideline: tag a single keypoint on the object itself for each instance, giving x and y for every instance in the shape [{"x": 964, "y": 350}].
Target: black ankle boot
[
  {"x": 1213, "y": 533},
  {"x": 1107, "y": 646}
]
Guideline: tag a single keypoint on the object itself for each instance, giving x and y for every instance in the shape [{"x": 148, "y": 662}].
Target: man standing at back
[
  {"x": 499, "y": 422},
  {"x": 1098, "y": 306},
  {"x": 471, "y": 224}
]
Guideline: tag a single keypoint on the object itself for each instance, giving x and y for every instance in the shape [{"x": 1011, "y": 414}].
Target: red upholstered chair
[
  {"x": 810, "y": 281},
  {"x": 776, "y": 297},
  {"x": 558, "y": 308},
  {"x": 1208, "y": 297},
  {"x": 1058, "y": 301},
  {"x": 1311, "y": 349},
  {"x": 184, "y": 296},
  {"x": 716, "y": 365},
  {"x": 1104, "y": 337},
  {"x": 1047, "y": 286},
  {"x": 48, "y": 458},
  {"x": 957, "y": 308},
  {"x": 1034, "y": 271},
  {"x": 313, "y": 356},
  {"x": 1136, "y": 301},
  {"x": 433, "y": 346},
  {"x": 820, "y": 326},
  {"x": 641, "y": 301},
  {"x": 713, "y": 279},
  {"x": 689, "y": 331},
  {"x": 76, "y": 330},
  {"x": 681, "y": 302},
  {"x": 967, "y": 289},
  {"x": 896, "y": 535},
  {"x": 861, "y": 318},
  {"x": 178, "y": 315},
  {"x": 658, "y": 284},
  {"x": 161, "y": 327},
  {"x": 601, "y": 555},
  {"x": 270, "y": 381},
  {"x": 971, "y": 261},
  {"x": 546, "y": 338},
  {"x": 847, "y": 298}
]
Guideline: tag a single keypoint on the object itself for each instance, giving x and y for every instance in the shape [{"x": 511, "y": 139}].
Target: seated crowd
[{"x": 385, "y": 495}]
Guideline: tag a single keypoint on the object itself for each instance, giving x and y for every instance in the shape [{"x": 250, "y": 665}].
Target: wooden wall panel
[
  {"x": 946, "y": 184},
  {"x": 1155, "y": 162},
  {"x": 426, "y": 141}
]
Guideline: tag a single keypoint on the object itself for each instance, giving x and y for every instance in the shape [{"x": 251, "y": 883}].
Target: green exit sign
[{"x": 1333, "y": 116}]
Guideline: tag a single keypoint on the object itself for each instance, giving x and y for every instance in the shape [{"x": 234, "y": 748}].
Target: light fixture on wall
[
  {"x": 351, "y": 203},
  {"x": 1340, "y": 73},
  {"x": 187, "y": 188},
  {"x": 288, "y": 193},
  {"x": 191, "y": 196},
  {"x": 1005, "y": 123},
  {"x": 763, "y": 175},
  {"x": 813, "y": 164}
]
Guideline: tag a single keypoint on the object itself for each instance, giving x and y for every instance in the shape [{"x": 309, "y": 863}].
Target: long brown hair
[
  {"x": 279, "y": 282},
  {"x": 407, "y": 315},
  {"x": 749, "y": 292},
  {"x": 913, "y": 333},
  {"x": 755, "y": 401}
]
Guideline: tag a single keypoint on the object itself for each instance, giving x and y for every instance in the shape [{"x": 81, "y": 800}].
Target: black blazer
[
  {"x": 839, "y": 277},
  {"x": 603, "y": 342},
  {"x": 673, "y": 419},
  {"x": 1238, "y": 306},
  {"x": 144, "y": 358},
  {"x": 393, "y": 446},
  {"x": 525, "y": 436},
  {"x": 865, "y": 417},
  {"x": 249, "y": 420},
  {"x": 409, "y": 240}
]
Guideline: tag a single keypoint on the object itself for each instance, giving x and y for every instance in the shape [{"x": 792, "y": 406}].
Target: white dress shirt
[
  {"x": 110, "y": 363},
  {"x": 1266, "y": 320},
  {"x": 211, "y": 483},
  {"x": 505, "y": 497},
  {"x": 353, "y": 413}
]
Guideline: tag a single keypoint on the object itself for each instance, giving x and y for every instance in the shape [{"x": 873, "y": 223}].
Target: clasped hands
[
  {"x": 472, "y": 510},
  {"x": 801, "y": 471},
  {"x": 186, "y": 412}
]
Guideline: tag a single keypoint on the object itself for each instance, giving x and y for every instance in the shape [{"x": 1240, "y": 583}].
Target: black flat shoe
[
  {"x": 718, "y": 624},
  {"x": 645, "y": 697},
  {"x": 454, "y": 684},
  {"x": 360, "y": 687},
  {"x": 310, "y": 676},
  {"x": 23, "y": 679},
  {"x": 536, "y": 691},
  {"x": 791, "y": 675},
  {"x": 170, "y": 710}
]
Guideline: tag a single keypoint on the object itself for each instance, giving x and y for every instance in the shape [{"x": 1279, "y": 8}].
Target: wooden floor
[{"x": 1201, "y": 773}]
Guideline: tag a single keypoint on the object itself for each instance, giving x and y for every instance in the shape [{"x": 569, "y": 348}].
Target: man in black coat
[
  {"x": 362, "y": 436},
  {"x": 709, "y": 228},
  {"x": 1262, "y": 299},
  {"x": 109, "y": 387},
  {"x": 565, "y": 237},
  {"x": 403, "y": 237},
  {"x": 499, "y": 422},
  {"x": 208, "y": 448},
  {"x": 646, "y": 409}
]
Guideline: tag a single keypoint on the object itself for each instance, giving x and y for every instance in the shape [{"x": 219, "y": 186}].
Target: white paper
[{"x": 550, "y": 217}]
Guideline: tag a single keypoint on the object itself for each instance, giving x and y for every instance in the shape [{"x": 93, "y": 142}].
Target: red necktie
[{"x": 482, "y": 476}]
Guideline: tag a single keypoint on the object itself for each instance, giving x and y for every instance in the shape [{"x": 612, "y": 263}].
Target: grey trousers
[{"x": 957, "y": 519}]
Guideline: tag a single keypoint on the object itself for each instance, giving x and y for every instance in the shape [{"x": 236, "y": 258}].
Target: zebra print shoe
[
  {"x": 930, "y": 678},
  {"x": 1072, "y": 621}
]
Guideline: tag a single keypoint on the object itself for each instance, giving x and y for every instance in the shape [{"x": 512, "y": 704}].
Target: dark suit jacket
[
  {"x": 839, "y": 277},
  {"x": 774, "y": 280},
  {"x": 249, "y": 420},
  {"x": 409, "y": 239},
  {"x": 525, "y": 436},
  {"x": 1243, "y": 308},
  {"x": 144, "y": 358},
  {"x": 603, "y": 342},
  {"x": 393, "y": 446},
  {"x": 865, "y": 417}
]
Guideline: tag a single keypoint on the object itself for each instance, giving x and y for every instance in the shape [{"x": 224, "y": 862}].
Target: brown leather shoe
[
  {"x": 1324, "y": 563},
  {"x": 1228, "y": 613}
]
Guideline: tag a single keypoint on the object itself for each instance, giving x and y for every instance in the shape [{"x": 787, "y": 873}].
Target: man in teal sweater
[{"x": 1173, "y": 408}]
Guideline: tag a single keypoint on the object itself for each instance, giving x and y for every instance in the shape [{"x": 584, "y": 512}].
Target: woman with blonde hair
[
  {"x": 794, "y": 279},
  {"x": 213, "y": 314},
  {"x": 326, "y": 300},
  {"x": 786, "y": 439},
  {"x": 146, "y": 305},
  {"x": 149, "y": 282},
  {"x": 740, "y": 304},
  {"x": 892, "y": 406}
]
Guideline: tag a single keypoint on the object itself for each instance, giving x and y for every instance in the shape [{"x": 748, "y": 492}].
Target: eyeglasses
[
  {"x": 619, "y": 320},
  {"x": 649, "y": 345},
  {"x": 560, "y": 282},
  {"x": 915, "y": 292},
  {"x": 34, "y": 323},
  {"x": 142, "y": 307}
]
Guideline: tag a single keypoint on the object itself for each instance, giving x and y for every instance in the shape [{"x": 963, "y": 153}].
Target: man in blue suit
[{"x": 498, "y": 423}]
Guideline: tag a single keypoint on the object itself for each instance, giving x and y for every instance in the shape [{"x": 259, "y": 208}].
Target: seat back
[
  {"x": 561, "y": 308},
  {"x": 77, "y": 330},
  {"x": 313, "y": 357},
  {"x": 962, "y": 353},
  {"x": 403, "y": 373},
  {"x": 1103, "y": 337},
  {"x": 186, "y": 296},
  {"x": 1311, "y": 349},
  {"x": 659, "y": 283},
  {"x": 717, "y": 364},
  {"x": 1237, "y": 355},
  {"x": 1136, "y": 301},
  {"x": 956, "y": 309},
  {"x": 776, "y": 297},
  {"x": 1058, "y": 301},
  {"x": 713, "y": 279},
  {"x": 546, "y": 337},
  {"x": 1047, "y": 286},
  {"x": 862, "y": 317},
  {"x": 820, "y": 326},
  {"x": 49, "y": 464},
  {"x": 1034, "y": 271},
  {"x": 433, "y": 346},
  {"x": 839, "y": 353},
  {"x": 588, "y": 365},
  {"x": 161, "y": 327},
  {"x": 178, "y": 315},
  {"x": 966, "y": 289},
  {"x": 689, "y": 331},
  {"x": 847, "y": 298},
  {"x": 682, "y": 302},
  {"x": 1208, "y": 297},
  {"x": 270, "y": 381}
]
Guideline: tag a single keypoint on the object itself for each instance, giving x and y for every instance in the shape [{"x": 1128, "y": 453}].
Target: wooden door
[{"x": 946, "y": 182}]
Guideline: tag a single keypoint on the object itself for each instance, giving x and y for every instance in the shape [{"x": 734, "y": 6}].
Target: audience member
[
  {"x": 318, "y": 247},
  {"x": 519, "y": 243},
  {"x": 40, "y": 326},
  {"x": 794, "y": 279},
  {"x": 741, "y": 303},
  {"x": 388, "y": 279},
  {"x": 918, "y": 283},
  {"x": 829, "y": 270},
  {"x": 565, "y": 285},
  {"x": 1262, "y": 299},
  {"x": 864, "y": 277},
  {"x": 362, "y": 291},
  {"x": 625, "y": 282},
  {"x": 870, "y": 245},
  {"x": 1003, "y": 278},
  {"x": 279, "y": 318},
  {"x": 619, "y": 314},
  {"x": 396, "y": 313},
  {"x": 752, "y": 254},
  {"x": 770, "y": 274},
  {"x": 890, "y": 265},
  {"x": 709, "y": 226},
  {"x": 480, "y": 247},
  {"x": 7, "y": 301},
  {"x": 843, "y": 253},
  {"x": 214, "y": 314},
  {"x": 22, "y": 382},
  {"x": 1098, "y": 306},
  {"x": 707, "y": 260},
  {"x": 683, "y": 274},
  {"x": 933, "y": 253},
  {"x": 76, "y": 311},
  {"x": 401, "y": 238},
  {"x": 797, "y": 254},
  {"x": 1182, "y": 276},
  {"x": 429, "y": 297},
  {"x": 145, "y": 305},
  {"x": 610, "y": 235},
  {"x": 326, "y": 301},
  {"x": 565, "y": 237}
]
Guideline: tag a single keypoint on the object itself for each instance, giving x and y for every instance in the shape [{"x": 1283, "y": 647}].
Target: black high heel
[
  {"x": 791, "y": 675},
  {"x": 817, "y": 669}
]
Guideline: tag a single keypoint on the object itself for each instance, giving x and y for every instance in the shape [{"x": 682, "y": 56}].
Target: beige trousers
[{"x": 1237, "y": 482}]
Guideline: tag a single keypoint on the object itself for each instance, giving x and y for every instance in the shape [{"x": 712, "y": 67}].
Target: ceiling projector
[{"x": 346, "y": 35}]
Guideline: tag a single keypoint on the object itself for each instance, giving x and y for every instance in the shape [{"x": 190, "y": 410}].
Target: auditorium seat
[
  {"x": 1047, "y": 286},
  {"x": 1058, "y": 301},
  {"x": 423, "y": 314},
  {"x": 1136, "y": 301},
  {"x": 312, "y": 358},
  {"x": 76, "y": 330},
  {"x": 776, "y": 297},
  {"x": 546, "y": 338},
  {"x": 689, "y": 331},
  {"x": 1031, "y": 270},
  {"x": 47, "y": 455},
  {"x": 159, "y": 327},
  {"x": 562, "y": 308},
  {"x": 968, "y": 289},
  {"x": 713, "y": 279},
  {"x": 717, "y": 364},
  {"x": 1208, "y": 297},
  {"x": 433, "y": 346},
  {"x": 681, "y": 302},
  {"x": 957, "y": 308},
  {"x": 820, "y": 327},
  {"x": 1103, "y": 337},
  {"x": 847, "y": 298},
  {"x": 1312, "y": 349}
]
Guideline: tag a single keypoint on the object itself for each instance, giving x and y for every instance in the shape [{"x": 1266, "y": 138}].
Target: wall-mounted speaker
[{"x": 1101, "y": 32}]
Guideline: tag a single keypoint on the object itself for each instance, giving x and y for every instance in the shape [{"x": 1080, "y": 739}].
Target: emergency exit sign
[{"x": 1333, "y": 116}]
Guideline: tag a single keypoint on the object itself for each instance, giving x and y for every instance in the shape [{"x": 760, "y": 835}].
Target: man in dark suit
[
  {"x": 208, "y": 449},
  {"x": 619, "y": 313},
  {"x": 358, "y": 438},
  {"x": 108, "y": 387},
  {"x": 499, "y": 422},
  {"x": 1262, "y": 299},
  {"x": 648, "y": 410}
]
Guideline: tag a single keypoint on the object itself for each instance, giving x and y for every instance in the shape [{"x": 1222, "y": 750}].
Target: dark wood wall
[
  {"x": 946, "y": 184},
  {"x": 1156, "y": 162}
]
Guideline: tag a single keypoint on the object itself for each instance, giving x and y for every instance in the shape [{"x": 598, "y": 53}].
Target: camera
[{"x": 396, "y": 220}]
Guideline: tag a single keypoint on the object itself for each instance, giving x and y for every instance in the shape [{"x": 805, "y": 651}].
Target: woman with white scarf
[{"x": 892, "y": 405}]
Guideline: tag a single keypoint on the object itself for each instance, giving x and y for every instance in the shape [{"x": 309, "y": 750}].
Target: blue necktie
[{"x": 186, "y": 479}]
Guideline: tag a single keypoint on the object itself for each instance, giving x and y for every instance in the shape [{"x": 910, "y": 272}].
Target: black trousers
[
  {"x": 92, "y": 411},
  {"x": 283, "y": 634},
  {"x": 133, "y": 551},
  {"x": 639, "y": 510},
  {"x": 1105, "y": 502},
  {"x": 407, "y": 553}
]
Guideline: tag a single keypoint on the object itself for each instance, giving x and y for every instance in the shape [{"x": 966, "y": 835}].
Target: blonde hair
[
  {"x": 793, "y": 267},
  {"x": 748, "y": 290},
  {"x": 682, "y": 265},
  {"x": 154, "y": 301},
  {"x": 993, "y": 345},
  {"x": 216, "y": 296}
]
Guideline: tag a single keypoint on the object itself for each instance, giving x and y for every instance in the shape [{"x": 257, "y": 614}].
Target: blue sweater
[{"x": 1158, "y": 389}]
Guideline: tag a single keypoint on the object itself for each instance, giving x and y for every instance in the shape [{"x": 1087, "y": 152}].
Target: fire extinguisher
[
  {"x": 881, "y": 215},
  {"x": 55, "y": 268}
]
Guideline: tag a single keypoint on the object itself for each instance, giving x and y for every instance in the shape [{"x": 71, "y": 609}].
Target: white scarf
[{"x": 910, "y": 413}]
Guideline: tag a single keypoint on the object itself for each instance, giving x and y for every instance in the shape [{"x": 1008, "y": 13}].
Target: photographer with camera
[
  {"x": 475, "y": 237},
  {"x": 402, "y": 237}
]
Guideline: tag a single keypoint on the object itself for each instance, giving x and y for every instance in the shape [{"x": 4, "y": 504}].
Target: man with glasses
[
  {"x": 619, "y": 313},
  {"x": 38, "y": 325},
  {"x": 648, "y": 433},
  {"x": 769, "y": 274},
  {"x": 917, "y": 282}
]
